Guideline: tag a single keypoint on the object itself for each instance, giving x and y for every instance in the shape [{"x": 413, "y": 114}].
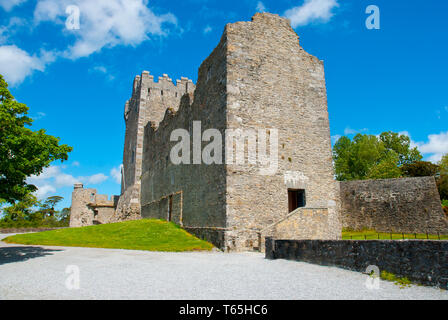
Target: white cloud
[
  {"x": 116, "y": 173},
  {"x": 105, "y": 23},
  {"x": 16, "y": 64},
  {"x": 349, "y": 130},
  {"x": 436, "y": 147},
  {"x": 53, "y": 178},
  {"x": 39, "y": 115},
  {"x": 207, "y": 29},
  {"x": 44, "y": 191},
  {"x": 335, "y": 138},
  {"x": 102, "y": 70},
  {"x": 311, "y": 11},
  {"x": 7, "y": 31},
  {"x": 95, "y": 179},
  {"x": 7, "y": 5},
  {"x": 261, "y": 7}
]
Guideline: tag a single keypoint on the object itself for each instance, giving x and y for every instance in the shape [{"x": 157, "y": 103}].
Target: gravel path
[{"x": 36, "y": 272}]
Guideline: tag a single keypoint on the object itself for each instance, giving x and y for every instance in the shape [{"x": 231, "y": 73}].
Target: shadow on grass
[{"x": 19, "y": 254}]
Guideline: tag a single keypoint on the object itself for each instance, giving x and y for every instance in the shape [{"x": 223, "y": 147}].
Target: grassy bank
[{"x": 150, "y": 235}]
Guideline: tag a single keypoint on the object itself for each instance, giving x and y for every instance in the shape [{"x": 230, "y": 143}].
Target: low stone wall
[
  {"x": 409, "y": 205},
  {"x": 307, "y": 223},
  {"x": 424, "y": 262},
  {"x": 212, "y": 235}
]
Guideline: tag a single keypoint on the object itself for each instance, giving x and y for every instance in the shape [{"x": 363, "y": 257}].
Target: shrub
[
  {"x": 402, "y": 282},
  {"x": 49, "y": 222},
  {"x": 420, "y": 169}
]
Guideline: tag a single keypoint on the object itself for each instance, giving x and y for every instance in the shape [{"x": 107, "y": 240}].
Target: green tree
[
  {"x": 373, "y": 157},
  {"x": 386, "y": 168},
  {"x": 21, "y": 210},
  {"x": 442, "y": 185},
  {"x": 48, "y": 206},
  {"x": 442, "y": 181},
  {"x": 420, "y": 169},
  {"x": 23, "y": 152},
  {"x": 443, "y": 164},
  {"x": 401, "y": 144},
  {"x": 64, "y": 216}
]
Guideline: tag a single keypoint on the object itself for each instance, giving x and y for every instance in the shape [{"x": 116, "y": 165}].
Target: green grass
[
  {"x": 402, "y": 282},
  {"x": 373, "y": 235},
  {"x": 150, "y": 235}
]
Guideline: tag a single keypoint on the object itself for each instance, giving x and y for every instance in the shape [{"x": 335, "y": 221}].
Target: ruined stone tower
[
  {"x": 258, "y": 78},
  {"x": 89, "y": 207},
  {"x": 149, "y": 102},
  {"x": 246, "y": 153},
  {"x": 258, "y": 93}
]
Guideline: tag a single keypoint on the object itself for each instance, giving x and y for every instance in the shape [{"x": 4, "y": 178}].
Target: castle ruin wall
[{"x": 409, "y": 205}]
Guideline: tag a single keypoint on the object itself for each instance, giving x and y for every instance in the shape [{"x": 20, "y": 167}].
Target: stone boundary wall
[
  {"x": 409, "y": 205},
  {"x": 216, "y": 236},
  {"x": 424, "y": 262}
]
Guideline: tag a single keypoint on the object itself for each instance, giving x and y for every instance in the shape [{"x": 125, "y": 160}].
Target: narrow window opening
[{"x": 170, "y": 208}]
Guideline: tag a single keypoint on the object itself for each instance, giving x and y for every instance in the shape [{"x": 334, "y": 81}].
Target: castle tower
[
  {"x": 258, "y": 79},
  {"x": 90, "y": 208},
  {"x": 149, "y": 101},
  {"x": 80, "y": 213}
]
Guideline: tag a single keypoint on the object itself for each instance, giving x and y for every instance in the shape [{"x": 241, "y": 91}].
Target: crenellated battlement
[{"x": 146, "y": 84}]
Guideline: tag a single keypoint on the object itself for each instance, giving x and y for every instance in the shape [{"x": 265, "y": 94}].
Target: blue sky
[{"x": 76, "y": 82}]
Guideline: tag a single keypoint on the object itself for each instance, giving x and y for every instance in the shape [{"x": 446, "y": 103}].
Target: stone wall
[
  {"x": 149, "y": 101},
  {"x": 128, "y": 207},
  {"x": 80, "y": 213},
  {"x": 307, "y": 223},
  {"x": 424, "y": 262},
  {"x": 257, "y": 78},
  {"x": 89, "y": 208},
  {"x": 410, "y": 205},
  {"x": 273, "y": 84},
  {"x": 202, "y": 187}
]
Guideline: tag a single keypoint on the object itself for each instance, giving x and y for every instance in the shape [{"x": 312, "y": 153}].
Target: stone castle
[{"x": 258, "y": 79}]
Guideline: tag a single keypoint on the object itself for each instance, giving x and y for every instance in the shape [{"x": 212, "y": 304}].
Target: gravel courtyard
[{"x": 35, "y": 272}]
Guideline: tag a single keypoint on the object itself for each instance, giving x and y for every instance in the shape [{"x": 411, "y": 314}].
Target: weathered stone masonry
[
  {"x": 424, "y": 262},
  {"x": 258, "y": 77},
  {"x": 149, "y": 102},
  {"x": 410, "y": 205},
  {"x": 91, "y": 208}
]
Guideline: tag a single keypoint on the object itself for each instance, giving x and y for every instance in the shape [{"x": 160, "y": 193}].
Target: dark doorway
[
  {"x": 296, "y": 199},
  {"x": 170, "y": 207}
]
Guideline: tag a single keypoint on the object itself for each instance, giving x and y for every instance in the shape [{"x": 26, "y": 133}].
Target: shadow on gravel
[{"x": 18, "y": 254}]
